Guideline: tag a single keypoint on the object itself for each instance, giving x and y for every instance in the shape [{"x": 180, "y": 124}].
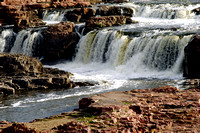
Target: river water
[{"x": 136, "y": 56}]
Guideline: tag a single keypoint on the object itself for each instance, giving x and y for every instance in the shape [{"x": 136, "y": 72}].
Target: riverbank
[{"x": 164, "y": 109}]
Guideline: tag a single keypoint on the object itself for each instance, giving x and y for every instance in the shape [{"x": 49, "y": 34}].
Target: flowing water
[{"x": 136, "y": 56}]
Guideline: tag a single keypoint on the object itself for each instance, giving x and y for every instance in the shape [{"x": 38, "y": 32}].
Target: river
[{"x": 136, "y": 56}]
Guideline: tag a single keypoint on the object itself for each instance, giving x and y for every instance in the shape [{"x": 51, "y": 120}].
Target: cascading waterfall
[
  {"x": 156, "y": 52},
  {"x": 164, "y": 11},
  {"x": 6, "y": 37},
  {"x": 54, "y": 15},
  {"x": 27, "y": 42}
]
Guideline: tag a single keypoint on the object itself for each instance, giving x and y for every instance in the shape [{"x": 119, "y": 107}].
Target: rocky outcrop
[
  {"x": 69, "y": 3},
  {"x": 80, "y": 15},
  {"x": 19, "y": 72},
  {"x": 115, "y": 10},
  {"x": 20, "y": 17},
  {"x": 18, "y": 128},
  {"x": 27, "y": 13},
  {"x": 192, "y": 58},
  {"x": 60, "y": 41},
  {"x": 106, "y": 21}
]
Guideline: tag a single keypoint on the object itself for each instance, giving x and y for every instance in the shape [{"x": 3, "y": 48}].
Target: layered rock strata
[
  {"x": 19, "y": 73},
  {"x": 115, "y": 10},
  {"x": 106, "y": 21}
]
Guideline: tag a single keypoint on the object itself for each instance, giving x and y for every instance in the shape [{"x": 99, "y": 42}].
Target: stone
[
  {"x": 18, "y": 64},
  {"x": 104, "y": 21},
  {"x": 192, "y": 58},
  {"x": 115, "y": 10},
  {"x": 166, "y": 89},
  {"x": 60, "y": 41},
  {"x": 19, "y": 72},
  {"x": 6, "y": 90},
  {"x": 18, "y": 128},
  {"x": 80, "y": 15}
]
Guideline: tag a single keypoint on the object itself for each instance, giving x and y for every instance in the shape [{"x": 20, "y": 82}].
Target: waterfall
[
  {"x": 54, "y": 15},
  {"x": 27, "y": 42},
  {"x": 6, "y": 38},
  {"x": 79, "y": 28},
  {"x": 155, "y": 52},
  {"x": 164, "y": 11}
]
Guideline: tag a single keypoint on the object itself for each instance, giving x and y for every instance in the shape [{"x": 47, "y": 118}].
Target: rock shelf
[{"x": 164, "y": 109}]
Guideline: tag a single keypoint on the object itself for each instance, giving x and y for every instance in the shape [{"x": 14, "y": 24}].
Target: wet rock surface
[
  {"x": 19, "y": 73},
  {"x": 80, "y": 14},
  {"x": 192, "y": 58},
  {"x": 106, "y": 21},
  {"x": 114, "y": 10},
  {"x": 60, "y": 41},
  {"x": 164, "y": 109}
]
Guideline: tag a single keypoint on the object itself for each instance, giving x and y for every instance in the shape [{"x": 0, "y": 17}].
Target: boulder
[
  {"x": 114, "y": 10},
  {"x": 80, "y": 15},
  {"x": 192, "y": 58},
  {"x": 60, "y": 41}
]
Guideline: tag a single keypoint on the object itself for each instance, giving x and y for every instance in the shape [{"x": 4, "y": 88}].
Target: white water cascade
[
  {"x": 164, "y": 11},
  {"x": 53, "y": 16},
  {"x": 5, "y": 36},
  {"x": 137, "y": 54},
  {"x": 26, "y": 42}
]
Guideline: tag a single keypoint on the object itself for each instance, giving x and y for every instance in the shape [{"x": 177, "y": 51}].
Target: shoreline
[{"x": 160, "y": 109}]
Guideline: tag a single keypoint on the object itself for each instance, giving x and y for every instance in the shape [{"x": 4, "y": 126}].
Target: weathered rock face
[
  {"x": 114, "y": 10},
  {"x": 20, "y": 17},
  {"x": 19, "y": 72},
  {"x": 192, "y": 58},
  {"x": 18, "y": 64},
  {"x": 80, "y": 15},
  {"x": 106, "y": 21},
  {"x": 27, "y": 13},
  {"x": 60, "y": 41},
  {"x": 70, "y": 3}
]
